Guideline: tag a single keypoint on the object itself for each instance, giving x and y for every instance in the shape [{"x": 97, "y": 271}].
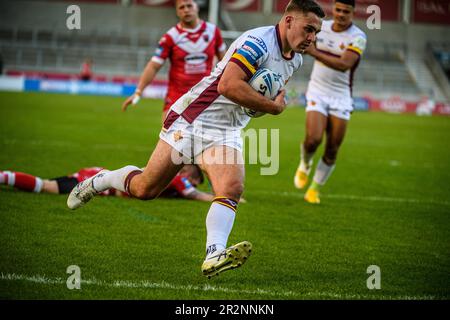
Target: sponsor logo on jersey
[
  {"x": 196, "y": 58},
  {"x": 251, "y": 52},
  {"x": 259, "y": 42}
]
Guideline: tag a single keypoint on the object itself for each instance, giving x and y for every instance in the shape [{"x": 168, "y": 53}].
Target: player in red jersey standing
[{"x": 190, "y": 46}]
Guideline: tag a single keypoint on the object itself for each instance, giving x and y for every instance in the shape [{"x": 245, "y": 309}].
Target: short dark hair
[
  {"x": 347, "y": 2},
  {"x": 305, "y": 6}
]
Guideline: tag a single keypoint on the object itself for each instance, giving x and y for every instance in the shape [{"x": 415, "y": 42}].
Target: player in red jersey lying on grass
[{"x": 182, "y": 186}]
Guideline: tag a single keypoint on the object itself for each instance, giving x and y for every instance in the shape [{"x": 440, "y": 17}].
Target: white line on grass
[
  {"x": 355, "y": 197},
  {"x": 144, "y": 284}
]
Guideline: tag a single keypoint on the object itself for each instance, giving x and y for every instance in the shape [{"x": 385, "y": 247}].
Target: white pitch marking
[
  {"x": 144, "y": 284},
  {"x": 355, "y": 197}
]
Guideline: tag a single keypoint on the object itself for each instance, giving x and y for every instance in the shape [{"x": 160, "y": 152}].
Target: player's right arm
[
  {"x": 162, "y": 53},
  {"x": 146, "y": 78},
  {"x": 234, "y": 85}
]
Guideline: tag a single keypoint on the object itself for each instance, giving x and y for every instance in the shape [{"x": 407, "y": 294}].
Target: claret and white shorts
[
  {"x": 191, "y": 139},
  {"x": 327, "y": 105}
]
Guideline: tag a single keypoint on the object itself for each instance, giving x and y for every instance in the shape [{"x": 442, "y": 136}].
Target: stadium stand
[
  {"x": 438, "y": 61},
  {"x": 121, "y": 44}
]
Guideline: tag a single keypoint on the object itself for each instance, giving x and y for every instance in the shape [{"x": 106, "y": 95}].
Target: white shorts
[
  {"x": 191, "y": 139},
  {"x": 338, "y": 107}
]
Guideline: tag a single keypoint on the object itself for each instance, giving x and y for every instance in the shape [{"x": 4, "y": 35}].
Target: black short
[{"x": 65, "y": 184}]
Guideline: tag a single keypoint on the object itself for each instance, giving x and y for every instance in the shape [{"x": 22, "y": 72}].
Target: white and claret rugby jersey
[
  {"x": 256, "y": 48},
  {"x": 326, "y": 80}
]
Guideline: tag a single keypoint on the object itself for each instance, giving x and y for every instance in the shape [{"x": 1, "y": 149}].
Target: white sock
[
  {"x": 219, "y": 223},
  {"x": 2, "y": 177},
  {"x": 323, "y": 172},
  {"x": 113, "y": 179},
  {"x": 39, "y": 185},
  {"x": 306, "y": 160},
  {"x": 9, "y": 178}
]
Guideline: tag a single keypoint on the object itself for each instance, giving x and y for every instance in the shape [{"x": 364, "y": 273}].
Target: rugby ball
[{"x": 267, "y": 83}]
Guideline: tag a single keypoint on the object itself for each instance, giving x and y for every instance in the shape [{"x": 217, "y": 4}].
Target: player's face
[
  {"x": 187, "y": 11},
  {"x": 302, "y": 30},
  {"x": 342, "y": 14}
]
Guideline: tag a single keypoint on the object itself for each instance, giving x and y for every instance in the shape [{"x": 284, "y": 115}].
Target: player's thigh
[
  {"x": 337, "y": 127},
  {"x": 50, "y": 186},
  {"x": 316, "y": 124},
  {"x": 162, "y": 166},
  {"x": 225, "y": 169}
]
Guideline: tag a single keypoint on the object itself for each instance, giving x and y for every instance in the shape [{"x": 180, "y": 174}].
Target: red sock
[{"x": 23, "y": 181}]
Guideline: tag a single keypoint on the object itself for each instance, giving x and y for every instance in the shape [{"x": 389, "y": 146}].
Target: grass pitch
[{"x": 386, "y": 204}]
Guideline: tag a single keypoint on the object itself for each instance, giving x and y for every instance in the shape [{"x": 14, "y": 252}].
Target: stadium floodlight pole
[
  {"x": 406, "y": 11},
  {"x": 267, "y": 7},
  {"x": 213, "y": 14}
]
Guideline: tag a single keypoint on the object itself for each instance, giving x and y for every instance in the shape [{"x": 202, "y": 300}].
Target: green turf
[{"x": 387, "y": 204}]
